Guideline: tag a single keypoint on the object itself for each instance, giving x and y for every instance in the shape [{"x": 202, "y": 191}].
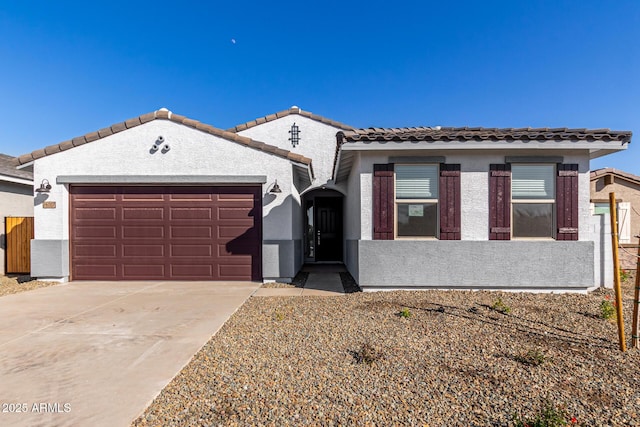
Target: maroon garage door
[{"x": 170, "y": 233}]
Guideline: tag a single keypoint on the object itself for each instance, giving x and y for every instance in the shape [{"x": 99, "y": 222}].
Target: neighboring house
[
  {"x": 16, "y": 199},
  {"x": 165, "y": 197},
  {"x": 627, "y": 190}
]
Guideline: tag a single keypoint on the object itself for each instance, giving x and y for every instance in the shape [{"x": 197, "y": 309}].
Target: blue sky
[{"x": 68, "y": 68}]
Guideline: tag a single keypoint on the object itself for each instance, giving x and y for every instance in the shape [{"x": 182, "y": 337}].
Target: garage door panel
[
  {"x": 134, "y": 194},
  {"x": 138, "y": 231},
  {"x": 94, "y": 231},
  {"x": 191, "y": 271},
  {"x": 102, "y": 251},
  {"x": 151, "y": 250},
  {"x": 232, "y": 272},
  {"x": 191, "y": 213},
  {"x": 180, "y": 233},
  {"x": 235, "y": 196},
  {"x": 143, "y": 271},
  {"x": 232, "y": 231},
  {"x": 143, "y": 213},
  {"x": 100, "y": 271},
  {"x": 191, "y": 251},
  {"x": 95, "y": 213},
  {"x": 192, "y": 232},
  {"x": 204, "y": 197},
  {"x": 235, "y": 213}
]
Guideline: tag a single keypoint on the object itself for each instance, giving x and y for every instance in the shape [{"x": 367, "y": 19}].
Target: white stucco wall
[
  {"x": 317, "y": 141},
  {"x": 474, "y": 182},
  {"x": 192, "y": 152}
]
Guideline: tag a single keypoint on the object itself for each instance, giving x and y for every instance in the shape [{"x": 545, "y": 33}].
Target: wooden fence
[{"x": 19, "y": 232}]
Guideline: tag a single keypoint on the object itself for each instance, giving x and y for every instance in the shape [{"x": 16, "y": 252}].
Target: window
[
  {"x": 533, "y": 200},
  {"x": 416, "y": 200}
]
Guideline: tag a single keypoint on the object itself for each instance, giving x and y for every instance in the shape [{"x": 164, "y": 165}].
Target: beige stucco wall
[
  {"x": 15, "y": 200},
  {"x": 626, "y": 191}
]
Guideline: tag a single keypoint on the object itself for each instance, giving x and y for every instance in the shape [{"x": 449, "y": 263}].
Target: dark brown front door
[
  {"x": 168, "y": 233},
  {"x": 328, "y": 228}
]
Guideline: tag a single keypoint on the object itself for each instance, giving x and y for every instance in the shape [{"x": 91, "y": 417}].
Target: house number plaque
[{"x": 48, "y": 205}]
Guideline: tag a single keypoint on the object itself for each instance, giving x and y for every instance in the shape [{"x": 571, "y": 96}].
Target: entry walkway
[
  {"x": 323, "y": 280},
  {"x": 98, "y": 353}
]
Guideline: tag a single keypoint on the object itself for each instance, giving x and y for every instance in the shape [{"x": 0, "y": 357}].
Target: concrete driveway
[{"x": 97, "y": 353}]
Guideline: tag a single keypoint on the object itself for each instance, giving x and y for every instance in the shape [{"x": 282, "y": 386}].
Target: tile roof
[
  {"x": 611, "y": 171},
  {"x": 481, "y": 134},
  {"x": 8, "y": 168},
  {"x": 162, "y": 114},
  {"x": 292, "y": 110}
]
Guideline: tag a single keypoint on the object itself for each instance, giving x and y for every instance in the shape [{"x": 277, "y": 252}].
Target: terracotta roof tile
[
  {"x": 284, "y": 113},
  {"x": 105, "y": 132},
  {"x": 132, "y": 122},
  {"x": 52, "y": 149},
  {"x": 481, "y": 134},
  {"x": 65, "y": 145},
  {"x": 93, "y": 136},
  {"x": 161, "y": 114},
  {"x": 38, "y": 154},
  {"x": 147, "y": 117},
  {"x": 80, "y": 140}
]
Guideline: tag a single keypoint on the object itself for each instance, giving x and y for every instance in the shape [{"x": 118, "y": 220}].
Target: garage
[{"x": 165, "y": 232}]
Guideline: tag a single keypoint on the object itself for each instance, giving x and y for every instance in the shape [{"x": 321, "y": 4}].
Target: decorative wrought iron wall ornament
[{"x": 295, "y": 135}]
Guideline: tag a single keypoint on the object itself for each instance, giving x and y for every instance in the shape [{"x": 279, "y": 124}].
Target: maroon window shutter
[
  {"x": 567, "y": 202},
  {"x": 383, "y": 202},
  {"x": 449, "y": 201},
  {"x": 500, "y": 202}
]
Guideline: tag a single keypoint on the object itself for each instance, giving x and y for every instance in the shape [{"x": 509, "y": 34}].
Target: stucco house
[
  {"x": 626, "y": 187},
  {"x": 165, "y": 197},
  {"x": 16, "y": 199}
]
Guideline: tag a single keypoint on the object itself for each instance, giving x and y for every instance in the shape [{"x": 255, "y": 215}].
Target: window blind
[
  {"x": 532, "y": 182},
  {"x": 416, "y": 181}
]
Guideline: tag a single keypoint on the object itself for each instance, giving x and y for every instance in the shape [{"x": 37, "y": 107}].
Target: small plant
[
  {"x": 534, "y": 357},
  {"x": 367, "y": 354},
  {"x": 607, "y": 308},
  {"x": 278, "y": 315},
  {"x": 501, "y": 307},
  {"x": 624, "y": 275},
  {"x": 549, "y": 416},
  {"x": 405, "y": 313}
]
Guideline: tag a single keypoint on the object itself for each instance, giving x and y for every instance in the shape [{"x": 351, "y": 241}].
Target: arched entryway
[{"x": 323, "y": 230}]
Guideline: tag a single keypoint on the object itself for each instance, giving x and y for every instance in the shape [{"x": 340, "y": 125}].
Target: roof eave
[{"x": 16, "y": 180}]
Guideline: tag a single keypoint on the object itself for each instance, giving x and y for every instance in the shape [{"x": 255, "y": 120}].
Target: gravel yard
[
  {"x": 12, "y": 285},
  {"x": 455, "y": 360}
]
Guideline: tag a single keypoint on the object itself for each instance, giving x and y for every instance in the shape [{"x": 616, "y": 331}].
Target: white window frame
[
  {"x": 551, "y": 202},
  {"x": 415, "y": 201}
]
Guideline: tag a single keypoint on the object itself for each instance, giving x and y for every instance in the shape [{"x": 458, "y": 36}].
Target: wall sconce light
[
  {"x": 45, "y": 187},
  {"x": 276, "y": 188}
]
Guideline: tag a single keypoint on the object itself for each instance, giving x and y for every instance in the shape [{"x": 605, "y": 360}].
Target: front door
[{"x": 328, "y": 229}]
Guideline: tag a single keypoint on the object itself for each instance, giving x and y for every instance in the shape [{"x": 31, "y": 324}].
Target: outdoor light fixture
[
  {"x": 276, "y": 188},
  {"x": 45, "y": 187}
]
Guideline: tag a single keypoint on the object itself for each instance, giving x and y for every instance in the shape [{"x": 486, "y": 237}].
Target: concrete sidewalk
[{"x": 97, "y": 353}]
